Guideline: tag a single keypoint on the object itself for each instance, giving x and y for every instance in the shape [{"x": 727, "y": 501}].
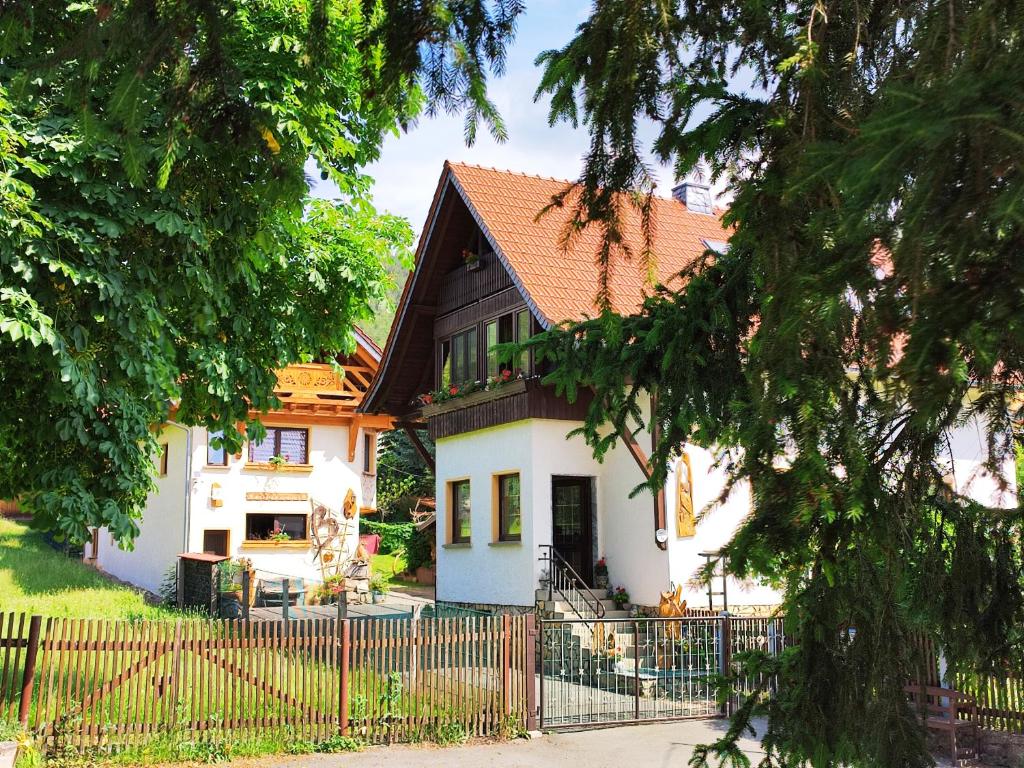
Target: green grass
[
  {"x": 391, "y": 565},
  {"x": 36, "y": 579}
]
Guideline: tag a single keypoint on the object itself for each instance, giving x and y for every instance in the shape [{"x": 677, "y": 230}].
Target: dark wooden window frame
[
  {"x": 164, "y": 450},
  {"x": 503, "y": 534},
  {"x": 276, "y": 430},
  {"x": 305, "y": 524},
  {"x": 453, "y": 486},
  {"x": 227, "y": 540},
  {"x": 482, "y": 356},
  {"x": 369, "y": 453}
]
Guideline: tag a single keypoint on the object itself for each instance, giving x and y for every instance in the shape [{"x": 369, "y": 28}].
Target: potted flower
[
  {"x": 279, "y": 533},
  {"x": 330, "y": 591},
  {"x": 621, "y": 598},
  {"x": 470, "y": 259},
  {"x": 379, "y": 587},
  {"x": 277, "y": 461},
  {"x": 601, "y": 574}
]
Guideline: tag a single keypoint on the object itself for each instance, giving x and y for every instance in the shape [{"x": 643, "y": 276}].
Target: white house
[
  {"x": 291, "y": 504},
  {"x": 510, "y": 483}
]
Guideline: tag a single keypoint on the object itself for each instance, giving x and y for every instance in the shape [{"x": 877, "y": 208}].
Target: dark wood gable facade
[{"x": 461, "y": 300}]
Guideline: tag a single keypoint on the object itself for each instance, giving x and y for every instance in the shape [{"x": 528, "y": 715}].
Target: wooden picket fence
[
  {"x": 1000, "y": 700},
  {"x": 84, "y": 684}
]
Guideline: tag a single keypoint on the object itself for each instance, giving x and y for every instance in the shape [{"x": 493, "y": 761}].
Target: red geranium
[
  {"x": 427, "y": 399},
  {"x": 506, "y": 374},
  {"x": 453, "y": 391}
]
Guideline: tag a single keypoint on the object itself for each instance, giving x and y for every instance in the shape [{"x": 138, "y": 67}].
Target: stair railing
[{"x": 563, "y": 580}]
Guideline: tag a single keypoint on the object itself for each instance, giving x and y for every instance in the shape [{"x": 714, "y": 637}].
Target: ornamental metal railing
[{"x": 561, "y": 580}]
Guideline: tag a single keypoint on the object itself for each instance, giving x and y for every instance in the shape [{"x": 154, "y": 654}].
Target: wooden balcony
[{"x": 311, "y": 392}]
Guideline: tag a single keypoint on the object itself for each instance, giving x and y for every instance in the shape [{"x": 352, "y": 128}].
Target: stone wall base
[{"x": 1005, "y": 750}]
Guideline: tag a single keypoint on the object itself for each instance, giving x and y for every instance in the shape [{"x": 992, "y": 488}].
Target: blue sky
[{"x": 410, "y": 164}]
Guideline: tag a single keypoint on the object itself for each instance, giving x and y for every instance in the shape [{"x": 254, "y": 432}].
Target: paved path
[{"x": 656, "y": 745}]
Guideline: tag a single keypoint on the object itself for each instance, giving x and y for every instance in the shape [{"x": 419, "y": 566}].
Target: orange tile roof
[{"x": 564, "y": 284}]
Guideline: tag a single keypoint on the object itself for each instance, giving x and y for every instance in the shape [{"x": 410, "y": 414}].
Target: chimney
[{"x": 695, "y": 194}]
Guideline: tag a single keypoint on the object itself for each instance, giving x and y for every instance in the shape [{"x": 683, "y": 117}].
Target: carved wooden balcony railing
[{"x": 318, "y": 389}]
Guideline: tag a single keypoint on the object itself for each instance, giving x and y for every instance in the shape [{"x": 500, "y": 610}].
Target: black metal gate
[{"x": 596, "y": 672}]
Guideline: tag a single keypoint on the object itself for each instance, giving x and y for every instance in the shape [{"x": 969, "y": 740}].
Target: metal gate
[{"x": 634, "y": 670}]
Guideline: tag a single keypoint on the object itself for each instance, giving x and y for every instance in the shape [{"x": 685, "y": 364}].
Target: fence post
[
  {"x": 343, "y": 605},
  {"x": 506, "y": 664},
  {"x": 28, "y": 677},
  {"x": 531, "y": 650},
  {"x": 725, "y": 644},
  {"x": 285, "y": 597},
  {"x": 246, "y": 586},
  {"x": 343, "y": 665},
  {"x": 636, "y": 669}
]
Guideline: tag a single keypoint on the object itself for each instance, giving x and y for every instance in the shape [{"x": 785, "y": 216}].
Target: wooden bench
[{"x": 951, "y": 712}]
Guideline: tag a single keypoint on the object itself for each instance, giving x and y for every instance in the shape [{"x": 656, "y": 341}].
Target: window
[
  {"x": 446, "y": 364},
  {"x": 290, "y": 444},
  {"x": 216, "y": 542},
  {"x": 499, "y": 331},
  {"x": 510, "y": 519},
  {"x": 273, "y": 527},
  {"x": 462, "y": 367},
  {"x": 369, "y": 452},
  {"x": 522, "y": 334},
  {"x": 215, "y": 457},
  {"x": 459, "y": 495},
  {"x": 163, "y": 460}
]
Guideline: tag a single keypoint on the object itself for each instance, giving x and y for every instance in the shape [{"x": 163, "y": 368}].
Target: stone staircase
[{"x": 595, "y": 652}]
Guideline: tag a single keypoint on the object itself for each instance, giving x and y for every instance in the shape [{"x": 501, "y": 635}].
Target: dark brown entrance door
[{"x": 571, "y": 524}]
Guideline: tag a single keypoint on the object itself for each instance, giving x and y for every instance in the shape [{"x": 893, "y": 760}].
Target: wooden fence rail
[{"x": 98, "y": 683}]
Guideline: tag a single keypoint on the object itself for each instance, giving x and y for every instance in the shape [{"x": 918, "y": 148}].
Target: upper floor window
[
  {"x": 369, "y": 452},
  {"x": 216, "y": 456},
  {"x": 458, "y": 358},
  {"x": 288, "y": 443}
]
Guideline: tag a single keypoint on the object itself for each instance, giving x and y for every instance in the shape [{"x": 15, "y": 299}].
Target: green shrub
[
  {"x": 417, "y": 551},
  {"x": 450, "y": 733},
  {"x": 393, "y": 536}
]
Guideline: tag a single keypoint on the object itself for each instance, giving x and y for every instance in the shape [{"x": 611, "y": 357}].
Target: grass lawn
[
  {"x": 390, "y": 566},
  {"x": 36, "y": 579}
]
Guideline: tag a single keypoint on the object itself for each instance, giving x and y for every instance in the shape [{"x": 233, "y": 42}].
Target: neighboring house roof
[
  {"x": 557, "y": 284},
  {"x": 563, "y": 284}
]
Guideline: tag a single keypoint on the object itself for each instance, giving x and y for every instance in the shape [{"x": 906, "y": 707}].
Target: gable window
[
  {"x": 369, "y": 452},
  {"x": 498, "y": 331},
  {"x": 522, "y": 334},
  {"x": 458, "y": 493},
  {"x": 163, "y": 460},
  {"x": 510, "y": 519},
  {"x": 462, "y": 367},
  {"x": 260, "y": 526},
  {"x": 216, "y": 457},
  {"x": 291, "y": 444}
]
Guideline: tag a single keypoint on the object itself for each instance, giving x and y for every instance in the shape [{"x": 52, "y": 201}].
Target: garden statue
[{"x": 686, "y": 525}]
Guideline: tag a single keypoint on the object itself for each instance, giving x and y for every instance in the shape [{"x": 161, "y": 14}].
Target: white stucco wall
[
  {"x": 163, "y": 525},
  {"x": 486, "y": 571},
  {"x": 161, "y": 530}
]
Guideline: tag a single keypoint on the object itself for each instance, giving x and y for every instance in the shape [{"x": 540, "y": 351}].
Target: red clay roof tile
[{"x": 564, "y": 284}]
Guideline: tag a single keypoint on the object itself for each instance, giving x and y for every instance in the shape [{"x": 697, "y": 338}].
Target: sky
[{"x": 410, "y": 164}]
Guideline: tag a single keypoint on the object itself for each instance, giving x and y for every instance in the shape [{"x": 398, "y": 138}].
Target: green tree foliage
[
  {"x": 156, "y": 242},
  {"x": 869, "y": 305},
  {"x": 403, "y": 478}
]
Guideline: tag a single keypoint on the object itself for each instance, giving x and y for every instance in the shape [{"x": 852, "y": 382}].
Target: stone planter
[{"x": 8, "y": 753}]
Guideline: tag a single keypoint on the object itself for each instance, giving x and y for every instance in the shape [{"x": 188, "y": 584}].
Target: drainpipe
[{"x": 188, "y": 481}]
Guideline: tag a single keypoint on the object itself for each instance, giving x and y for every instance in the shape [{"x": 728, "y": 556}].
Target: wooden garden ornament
[
  {"x": 686, "y": 525},
  {"x": 349, "y": 505}
]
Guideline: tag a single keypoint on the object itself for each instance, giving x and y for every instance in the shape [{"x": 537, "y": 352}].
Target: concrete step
[
  {"x": 560, "y": 606},
  {"x": 542, "y": 594},
  {"x": 565, "y": 612}
]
